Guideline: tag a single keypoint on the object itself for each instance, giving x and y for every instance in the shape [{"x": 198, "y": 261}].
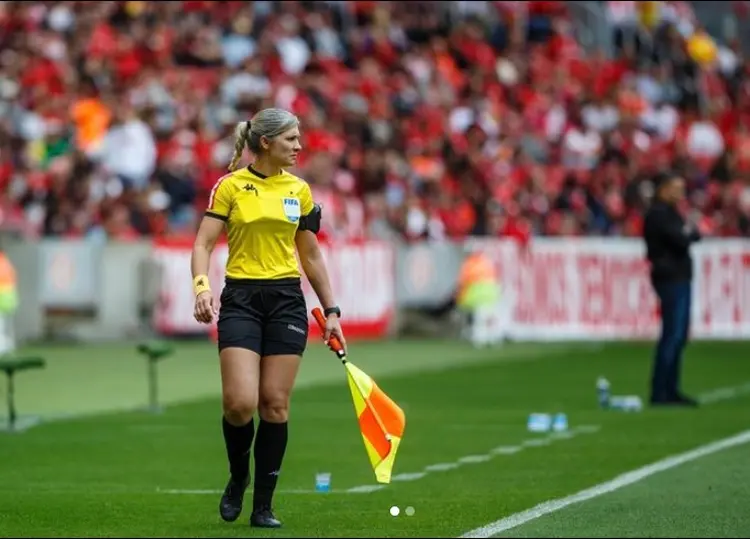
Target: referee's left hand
[
  {"x": 205, "y": 309},
  {"x": 333, "y": 328}
]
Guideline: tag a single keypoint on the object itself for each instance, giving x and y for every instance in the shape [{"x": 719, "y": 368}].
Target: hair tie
[{"x": 248, "y": 126}]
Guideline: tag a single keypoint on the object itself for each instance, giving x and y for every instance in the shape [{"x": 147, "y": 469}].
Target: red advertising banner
[
  {"x": 600, "y": 289},
  {"x": 555, "y": 289},
  {"x": 362, "y": 277}
]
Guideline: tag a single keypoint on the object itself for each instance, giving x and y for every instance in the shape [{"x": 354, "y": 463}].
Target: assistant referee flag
[{"x": 381, "y": 421}]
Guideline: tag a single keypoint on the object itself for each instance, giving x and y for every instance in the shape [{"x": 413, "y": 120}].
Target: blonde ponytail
[{"x": 241, "y": 133}]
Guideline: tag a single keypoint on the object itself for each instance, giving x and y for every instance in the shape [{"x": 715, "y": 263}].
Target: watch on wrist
[{"x": 332, "y": 310}]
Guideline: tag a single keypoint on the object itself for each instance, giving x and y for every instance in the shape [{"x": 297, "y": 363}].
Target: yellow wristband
[{"x": 201, "y": 284}]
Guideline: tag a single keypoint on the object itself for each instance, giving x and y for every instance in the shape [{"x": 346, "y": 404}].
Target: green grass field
[{"x": 466, "y": 460}]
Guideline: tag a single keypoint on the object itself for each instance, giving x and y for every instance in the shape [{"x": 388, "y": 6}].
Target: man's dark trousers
[{"x": 676, "y": 299}]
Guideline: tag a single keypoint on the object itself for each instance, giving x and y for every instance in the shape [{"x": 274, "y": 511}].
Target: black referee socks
[
  {"x": 269, "y": 452},
  {"x": 238, "y": 441}
]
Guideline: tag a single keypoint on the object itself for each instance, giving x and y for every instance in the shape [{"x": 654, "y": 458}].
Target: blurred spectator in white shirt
[{"x": 129, "y": 148}]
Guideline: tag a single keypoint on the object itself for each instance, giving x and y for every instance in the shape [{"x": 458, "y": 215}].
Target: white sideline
[
  {"x": 715, "y": 395},
  {"x": 618, "y": 482},
  {"x": 437, "y": 467},
  {"x": 724, "y": 393}
]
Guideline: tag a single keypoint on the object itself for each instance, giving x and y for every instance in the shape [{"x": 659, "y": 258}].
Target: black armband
[{"x": 311, "y": 221}]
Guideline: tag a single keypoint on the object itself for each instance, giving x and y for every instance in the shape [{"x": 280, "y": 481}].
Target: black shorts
[{"x": 266, "y": 316}]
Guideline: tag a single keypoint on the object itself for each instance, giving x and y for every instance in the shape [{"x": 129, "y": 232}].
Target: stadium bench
[
  {"x": 10, "y": 366},
  {"x": 154, "y": 351}
]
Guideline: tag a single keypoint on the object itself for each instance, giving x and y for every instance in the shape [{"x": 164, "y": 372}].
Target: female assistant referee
[{"x": 262, "y": 318}]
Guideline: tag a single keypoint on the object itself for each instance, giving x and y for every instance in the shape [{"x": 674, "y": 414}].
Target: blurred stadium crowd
[{"x": 420, "y": 119}]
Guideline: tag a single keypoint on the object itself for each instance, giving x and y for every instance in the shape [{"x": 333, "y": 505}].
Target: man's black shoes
[
  {"x": 684, "y": 400},
  {"x": 676, "y": 400}
]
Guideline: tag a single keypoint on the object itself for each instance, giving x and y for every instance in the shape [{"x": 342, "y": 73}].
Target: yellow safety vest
[
  {"x": 477, "y": 283},
  {"x": 8, "y": 290}
]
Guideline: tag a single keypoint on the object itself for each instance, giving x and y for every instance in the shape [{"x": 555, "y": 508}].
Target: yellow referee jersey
[{"x": 262, "y": 214}]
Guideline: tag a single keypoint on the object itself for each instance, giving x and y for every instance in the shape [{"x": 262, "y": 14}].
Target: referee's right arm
[{"x": 205, "y": 241}]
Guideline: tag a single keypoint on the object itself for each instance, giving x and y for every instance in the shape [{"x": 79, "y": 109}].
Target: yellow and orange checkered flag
[{"x": 381, "y": 421}]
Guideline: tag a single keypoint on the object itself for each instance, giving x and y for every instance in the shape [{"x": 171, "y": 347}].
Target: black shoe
[
  {"x": 663, "y": 403},
  {"x": 684, "y": 400},
  {"x": 230, "y": 506},
  {"x": 660, "y": 399},
  {"x": 679, "y": 400},
  {"x": 263, "y": 517}
]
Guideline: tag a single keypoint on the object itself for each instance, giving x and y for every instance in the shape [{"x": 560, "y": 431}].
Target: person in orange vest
[
  {"x": 8, "y": 304},
  {"x": 478, "y": 297}
]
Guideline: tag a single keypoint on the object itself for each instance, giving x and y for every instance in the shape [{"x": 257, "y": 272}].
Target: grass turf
[{"x": 109, "y": 475}]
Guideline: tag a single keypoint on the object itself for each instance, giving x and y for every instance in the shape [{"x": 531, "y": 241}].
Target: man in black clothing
[{"x": 668, "y": 238}]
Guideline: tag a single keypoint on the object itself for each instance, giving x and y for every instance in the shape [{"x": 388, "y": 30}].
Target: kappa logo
[
  {"x": 292, "y": 209},
  {"x": 250, "y": 187}
]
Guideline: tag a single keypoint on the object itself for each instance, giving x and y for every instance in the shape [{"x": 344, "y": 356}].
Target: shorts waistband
[{"x": 239, "y": 283}]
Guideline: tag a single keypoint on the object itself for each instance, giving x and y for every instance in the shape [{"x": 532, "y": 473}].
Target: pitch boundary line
[
  {"x": 432, "y": 468},
  {"x": 709, "y": 397},
  {"x": 724, "y": 393},
  {"x": 623, "y": 480}
]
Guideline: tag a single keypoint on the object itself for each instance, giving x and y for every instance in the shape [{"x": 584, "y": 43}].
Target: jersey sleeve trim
[
  {"x": 212, "y": 195},
  {"x": 216, "y": 216}
]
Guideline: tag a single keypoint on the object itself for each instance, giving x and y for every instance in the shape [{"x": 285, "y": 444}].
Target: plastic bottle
[
  {"x": 539, "y": 422},
  {"x": 323, "y": 482},
  {"x": 602, "y": 392},
  {"x": 626, "y": 403},
  {"x": 560, "y": 422}
]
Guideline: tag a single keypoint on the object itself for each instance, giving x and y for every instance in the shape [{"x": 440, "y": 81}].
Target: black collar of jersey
[{"x": 256, "y": 173}]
